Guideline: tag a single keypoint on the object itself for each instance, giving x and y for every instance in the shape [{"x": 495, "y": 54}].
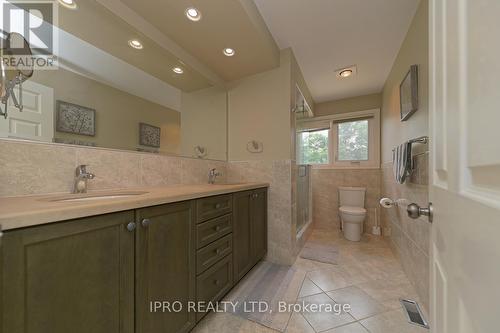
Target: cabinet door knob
[
  {"x": 216, "y": 282},
  {"x": 217, "y": 228},
  {"x": 218, "y": 251},
  {"x": 131, "y": 226},
  {"x": 217, "y": 205},
  {"x": 146, "y": 222}
]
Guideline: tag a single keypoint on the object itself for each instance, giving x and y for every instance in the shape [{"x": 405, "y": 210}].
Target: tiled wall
[
  {"x": 410, "y": 238},
  {"x": 37, "y": 168},
  {"x": 280, "y": 220},
  {"x": 325, "y": 184}
]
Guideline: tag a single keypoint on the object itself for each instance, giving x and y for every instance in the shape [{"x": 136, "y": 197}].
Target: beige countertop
[{"x": 25, "y": 211}]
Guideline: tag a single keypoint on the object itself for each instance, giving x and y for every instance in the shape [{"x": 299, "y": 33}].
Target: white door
[
  {"x": 36, "y": 121},
  {"x": 465, "y": 165}
]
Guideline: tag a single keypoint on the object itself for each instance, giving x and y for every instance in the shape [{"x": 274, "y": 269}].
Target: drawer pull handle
[
  {"x": 218, "y": 251},
  {"x": 131, "y": 226},
  {"x": 216, "y": 282},
  {"x": 146, "y": 222},
  {"x": 217, "y": 228},
  {"x": 217, "y": 206}
]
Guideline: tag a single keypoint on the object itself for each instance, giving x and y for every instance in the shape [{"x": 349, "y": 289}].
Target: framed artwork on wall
[
  {"x": 75, "y": 119},
  {"x": 408, "y": 93},
  {"x": 149, "y": 135}
]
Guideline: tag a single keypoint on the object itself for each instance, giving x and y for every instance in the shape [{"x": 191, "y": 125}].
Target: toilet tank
[{"x": 352, "y": 196}]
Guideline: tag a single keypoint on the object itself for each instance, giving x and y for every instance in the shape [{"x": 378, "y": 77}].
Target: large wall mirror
[{"x": 121, "y": 85}]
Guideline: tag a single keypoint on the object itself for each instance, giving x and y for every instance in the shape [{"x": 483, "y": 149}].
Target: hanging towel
[{"x": 401, "y": 162}]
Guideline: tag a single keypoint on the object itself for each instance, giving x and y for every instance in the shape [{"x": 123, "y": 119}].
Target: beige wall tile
[
  {"x": 325, "y": 184},
  {"x": 281, "y": 227},
  {"x": 112, "y": 169},
  {"x": 29, "y": 168},
  {"x": 40, "y": 168},
  {"x": 410, "y": 238},
  {"x": 160, "y": 170}
]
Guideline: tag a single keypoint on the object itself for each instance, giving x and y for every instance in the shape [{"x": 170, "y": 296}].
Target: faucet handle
[{"x": 82, "y": 168}]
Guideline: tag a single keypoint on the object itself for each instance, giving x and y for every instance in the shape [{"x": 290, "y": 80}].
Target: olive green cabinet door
[
  {"x": 75, "y": 276},
  {"x": 166, "y": 270},
  {"x": 242, "y": 229},
  {"x": 258, "y": 215}
]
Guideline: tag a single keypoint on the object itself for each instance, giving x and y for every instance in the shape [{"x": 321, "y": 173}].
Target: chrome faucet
[
  {"x": 81, "y": 178},
  {"x": 212, "y": 175}
]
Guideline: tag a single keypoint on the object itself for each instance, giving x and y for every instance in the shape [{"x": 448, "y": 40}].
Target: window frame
[
  {"x": 373, "y": 117},
  {"x": 336, "y": 141},
  {"x": 299, "y": 147}
]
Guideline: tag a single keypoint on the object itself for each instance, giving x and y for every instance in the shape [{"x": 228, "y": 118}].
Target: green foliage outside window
[
  {"x": 314, "y": 147},
  {"x": 353, "y": 141}
]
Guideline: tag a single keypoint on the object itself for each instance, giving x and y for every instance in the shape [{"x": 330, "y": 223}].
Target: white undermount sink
[{"x": 95, "y": 196}]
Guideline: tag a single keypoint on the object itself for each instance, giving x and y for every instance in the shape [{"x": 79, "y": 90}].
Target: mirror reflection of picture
[
  {"x": 408, "y": 93},
  {"x": 75, "y": 119},
  {"x": 149, "y": 135}
]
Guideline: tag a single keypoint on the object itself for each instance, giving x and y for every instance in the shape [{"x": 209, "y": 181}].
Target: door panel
[
  {"x": 36, "y": 121},
  {"x": 72, "y": 276},
  {"x": 165, "y": 266},
  {"x": 465, "y": 179},
  {"x": 259, "y": 225},
  {"x": 242, "y": 229}
]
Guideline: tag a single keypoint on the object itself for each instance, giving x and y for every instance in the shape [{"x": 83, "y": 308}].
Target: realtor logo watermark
[{"x": 36, "y": 21}]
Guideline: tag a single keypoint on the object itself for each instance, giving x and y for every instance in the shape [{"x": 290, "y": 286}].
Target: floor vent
[{"x": 413, "y": 313}]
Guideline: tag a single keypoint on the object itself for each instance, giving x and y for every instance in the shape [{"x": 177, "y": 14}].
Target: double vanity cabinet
[{"x": 130, "y": 271}]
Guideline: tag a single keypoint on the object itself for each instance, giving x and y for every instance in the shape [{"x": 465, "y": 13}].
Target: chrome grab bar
[{"x": 423, "y": 140}]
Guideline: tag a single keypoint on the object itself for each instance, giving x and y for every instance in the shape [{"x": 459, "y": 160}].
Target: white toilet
[{"x": 352, "y": 211}]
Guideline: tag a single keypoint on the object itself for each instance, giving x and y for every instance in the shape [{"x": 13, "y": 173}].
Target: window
[
  {"x": 314, "y": 146},
  {"x": 349, "y": 140},
  {"x": 352, "y": 141}
]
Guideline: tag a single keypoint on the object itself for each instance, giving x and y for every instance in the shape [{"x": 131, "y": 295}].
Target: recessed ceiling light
[
  {"x": 71, "y": 4},
  {"x": 177, "y": 70},
  {"x": 193, "y": 14},
  {"x": 135, "y": 44},
  {"x": 346, "y": 72},
  {"x": 229, "y": 52}
]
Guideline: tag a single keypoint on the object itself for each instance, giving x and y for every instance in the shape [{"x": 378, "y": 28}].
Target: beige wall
[
  {"x": 414, "y": 50},
  {"x": 326, "y": 183},
  {"x": 259, "y": 109},
  {"x": 118, "y": 113},
  {"x": 360, "y": 103},
  {"x": 204, "y": 122},
  {"x": 409, "y": 238},
  {"x": 39, "y": 168}
]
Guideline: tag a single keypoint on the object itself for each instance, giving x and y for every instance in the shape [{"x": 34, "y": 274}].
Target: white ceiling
[{"x": 326, "y": 35}]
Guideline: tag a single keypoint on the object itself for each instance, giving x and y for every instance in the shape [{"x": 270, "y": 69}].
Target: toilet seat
[{"x": 356, "y": 211}]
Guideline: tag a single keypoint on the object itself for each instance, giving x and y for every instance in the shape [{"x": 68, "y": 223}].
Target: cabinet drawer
[
  {"x": 208, "y": 208},
  {"x": 212, "y": 253},
  {"x": 216, "y": 281},
  {"x": 209, "y": 231}
]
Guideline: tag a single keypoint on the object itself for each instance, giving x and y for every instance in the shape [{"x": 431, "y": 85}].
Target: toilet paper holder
[{"x": 387, "y": 203}]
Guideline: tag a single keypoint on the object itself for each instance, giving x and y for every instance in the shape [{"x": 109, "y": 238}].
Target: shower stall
[{"x": 304, "y": 197}]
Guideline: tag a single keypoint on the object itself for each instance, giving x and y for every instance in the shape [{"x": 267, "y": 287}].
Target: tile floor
[{"x": 368, "y": 277}]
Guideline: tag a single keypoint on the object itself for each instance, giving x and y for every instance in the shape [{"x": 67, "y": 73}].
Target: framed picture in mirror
[
  {"x": 75, "y": 119},
  {"x": 149, "y": 135},
  {"x": 408, "y": 93}
]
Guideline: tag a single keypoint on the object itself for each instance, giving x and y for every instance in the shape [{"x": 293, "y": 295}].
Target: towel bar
[{"x": 422, "y": 139}]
